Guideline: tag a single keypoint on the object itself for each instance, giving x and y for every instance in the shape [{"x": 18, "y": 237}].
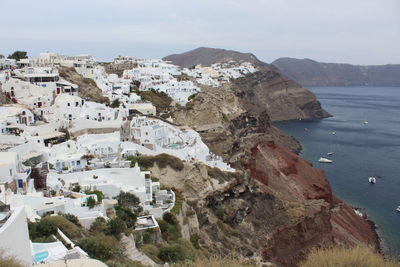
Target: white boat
[
  {"x": 372, "y": 180},
  {"x": 365, "y": 122},
  {"x": 330, "y": 153},
  {"x": 324, "y": 160},
  {"x": 334, "y": 132},
  {"x": 398, "y": 209}
]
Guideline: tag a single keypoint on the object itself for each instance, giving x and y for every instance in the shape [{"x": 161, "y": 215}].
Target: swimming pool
[
  {"x": 41, "y": 256},
  {"x": 173, "y": 146}
]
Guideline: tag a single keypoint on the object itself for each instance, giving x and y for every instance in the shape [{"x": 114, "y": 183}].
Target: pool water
[{"x": 41, "y": 256}]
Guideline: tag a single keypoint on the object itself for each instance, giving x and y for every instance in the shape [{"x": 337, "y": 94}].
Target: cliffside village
[{"x": 56, "y": 145}]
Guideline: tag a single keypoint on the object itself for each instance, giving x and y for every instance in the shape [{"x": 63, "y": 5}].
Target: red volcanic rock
[
  {"x": 349, "y": 228},
  {"x": 290, "y": 244},
  {"x": 286, "y": 173},
  {"x": 327, "y": 220}
]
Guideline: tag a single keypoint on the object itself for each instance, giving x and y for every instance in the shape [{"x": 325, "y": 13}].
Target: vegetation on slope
[
  {"x": 162, "y": 160},
  {"x": 87, "y": 87},
  {"x": 340, "y": 256},
  {"x": 159, "y": 99},
  {"x": 171, "y": 247},
  {"x": 102, "y": 240}
]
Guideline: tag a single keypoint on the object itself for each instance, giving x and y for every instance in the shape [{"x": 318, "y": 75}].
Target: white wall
[{"x": 14, "y": 237}]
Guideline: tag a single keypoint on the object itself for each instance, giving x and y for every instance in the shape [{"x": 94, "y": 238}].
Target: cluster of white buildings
[
  {"x": 219, "y": 73},
  {"x": 52, "y": 142}
]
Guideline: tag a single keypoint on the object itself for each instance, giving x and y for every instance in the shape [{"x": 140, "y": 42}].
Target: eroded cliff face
[
  {"x": 280, "y": 206},
  {"x": 283, "y": 99}
]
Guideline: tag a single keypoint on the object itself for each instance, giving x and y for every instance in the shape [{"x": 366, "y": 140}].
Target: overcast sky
[{"x": 350, "y": 31}]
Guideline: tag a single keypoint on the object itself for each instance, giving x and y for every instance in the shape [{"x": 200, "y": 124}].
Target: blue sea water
[{"x": 361, "y": 150}]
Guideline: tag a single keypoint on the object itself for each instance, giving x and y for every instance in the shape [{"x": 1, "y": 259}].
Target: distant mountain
[
  {"x": 208, "y": 56},
  {"x": 308, "y": 72}
]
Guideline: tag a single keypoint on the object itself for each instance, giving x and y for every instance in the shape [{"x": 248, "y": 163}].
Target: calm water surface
[{"x": 361, "y": 150}]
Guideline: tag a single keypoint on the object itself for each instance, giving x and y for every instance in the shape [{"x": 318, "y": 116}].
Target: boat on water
[
  {"x": 398, "y": 209},
  {"x": 372, "y": 180},
  {"x": 330, "y": 153},
  {"x": 324, "y": 160},
  {"x": 334, "y": 132},
  {"x": 365, "y": 122}
]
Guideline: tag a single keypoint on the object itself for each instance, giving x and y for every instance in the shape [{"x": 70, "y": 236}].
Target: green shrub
[
  {"x": 151, "y": 251},
  {"x": 127, "y": 215},
  {"x": 178, "y": 251},
  {"x": 163, "y": 225},
  {"x": 219, "y": 212},
  {"x": 99, "y": 225},
  {"x": 169, "y": 232},
  {"x": 179, "y": 199},
  {"x": 194, "y": 239},
  {"x": 18, "y": 55},
  {"x": 159, "y": 99},
  {"x": 129, "y": 200},
  {"x": 77, "y": 188},
  {"x": 67, "y": 227},
  {"x": 170, "y": 218},
  {"x": 48, "y": 225},
  {"x": 115, "y": 103},
  {"x": 116, "y": 227},
  {"x": 96, "y": 248},
  {"x": 72, "y": 218},
  {"x": 91, "y": 202},
  {"x": 163, "y": 160},
  {"x": 98, "y": 193},
  {"x": 171, "y": 254}
]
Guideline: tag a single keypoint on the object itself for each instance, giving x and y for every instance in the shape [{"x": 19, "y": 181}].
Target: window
[
  {"x": 11, "y": 172},
  {"x": 68, "y": 104}
]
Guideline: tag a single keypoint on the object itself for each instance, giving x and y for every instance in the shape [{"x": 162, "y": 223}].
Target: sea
[{"x": 364, "y": 134}]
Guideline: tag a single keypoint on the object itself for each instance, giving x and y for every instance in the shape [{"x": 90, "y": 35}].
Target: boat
[
  {"x": 334, "y": 132},
  {"x": 372, "y": 180},
  {"x": 330, "y": 153},
  {"x": 398, "y": 209},
  {"x": 365, "y": 122},
  {"x": 324, "y": 160}
]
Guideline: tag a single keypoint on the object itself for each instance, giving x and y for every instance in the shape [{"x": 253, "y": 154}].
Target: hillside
[
  {"x": 207, "y": 56},
  {"x": 278, "y": 205},
  {"x": 265, "y": 89},
  {"x": 308, "y": 72}
]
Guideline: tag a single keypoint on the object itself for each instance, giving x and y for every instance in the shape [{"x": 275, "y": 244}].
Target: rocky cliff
[
  {"x": 266, "y": 89},
  {"x": 308, "y": 72},
  {"x": 277, "y": 206}
]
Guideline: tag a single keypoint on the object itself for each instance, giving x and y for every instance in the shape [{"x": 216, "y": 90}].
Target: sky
[{"x": 363, "y": 32}]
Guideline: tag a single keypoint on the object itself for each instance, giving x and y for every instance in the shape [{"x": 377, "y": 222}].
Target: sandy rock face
[{"x": 283, "y": 99}]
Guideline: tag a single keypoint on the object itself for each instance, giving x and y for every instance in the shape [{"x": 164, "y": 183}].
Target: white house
[
  {"x": 11, "y": 169},
  {"x": 109, "y": 180},
  {"x": 15, "y": 115},
  {"x": 14, "y": 234}
]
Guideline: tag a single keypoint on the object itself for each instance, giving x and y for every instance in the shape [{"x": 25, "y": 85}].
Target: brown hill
[{"x": 207, "y": 56}]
